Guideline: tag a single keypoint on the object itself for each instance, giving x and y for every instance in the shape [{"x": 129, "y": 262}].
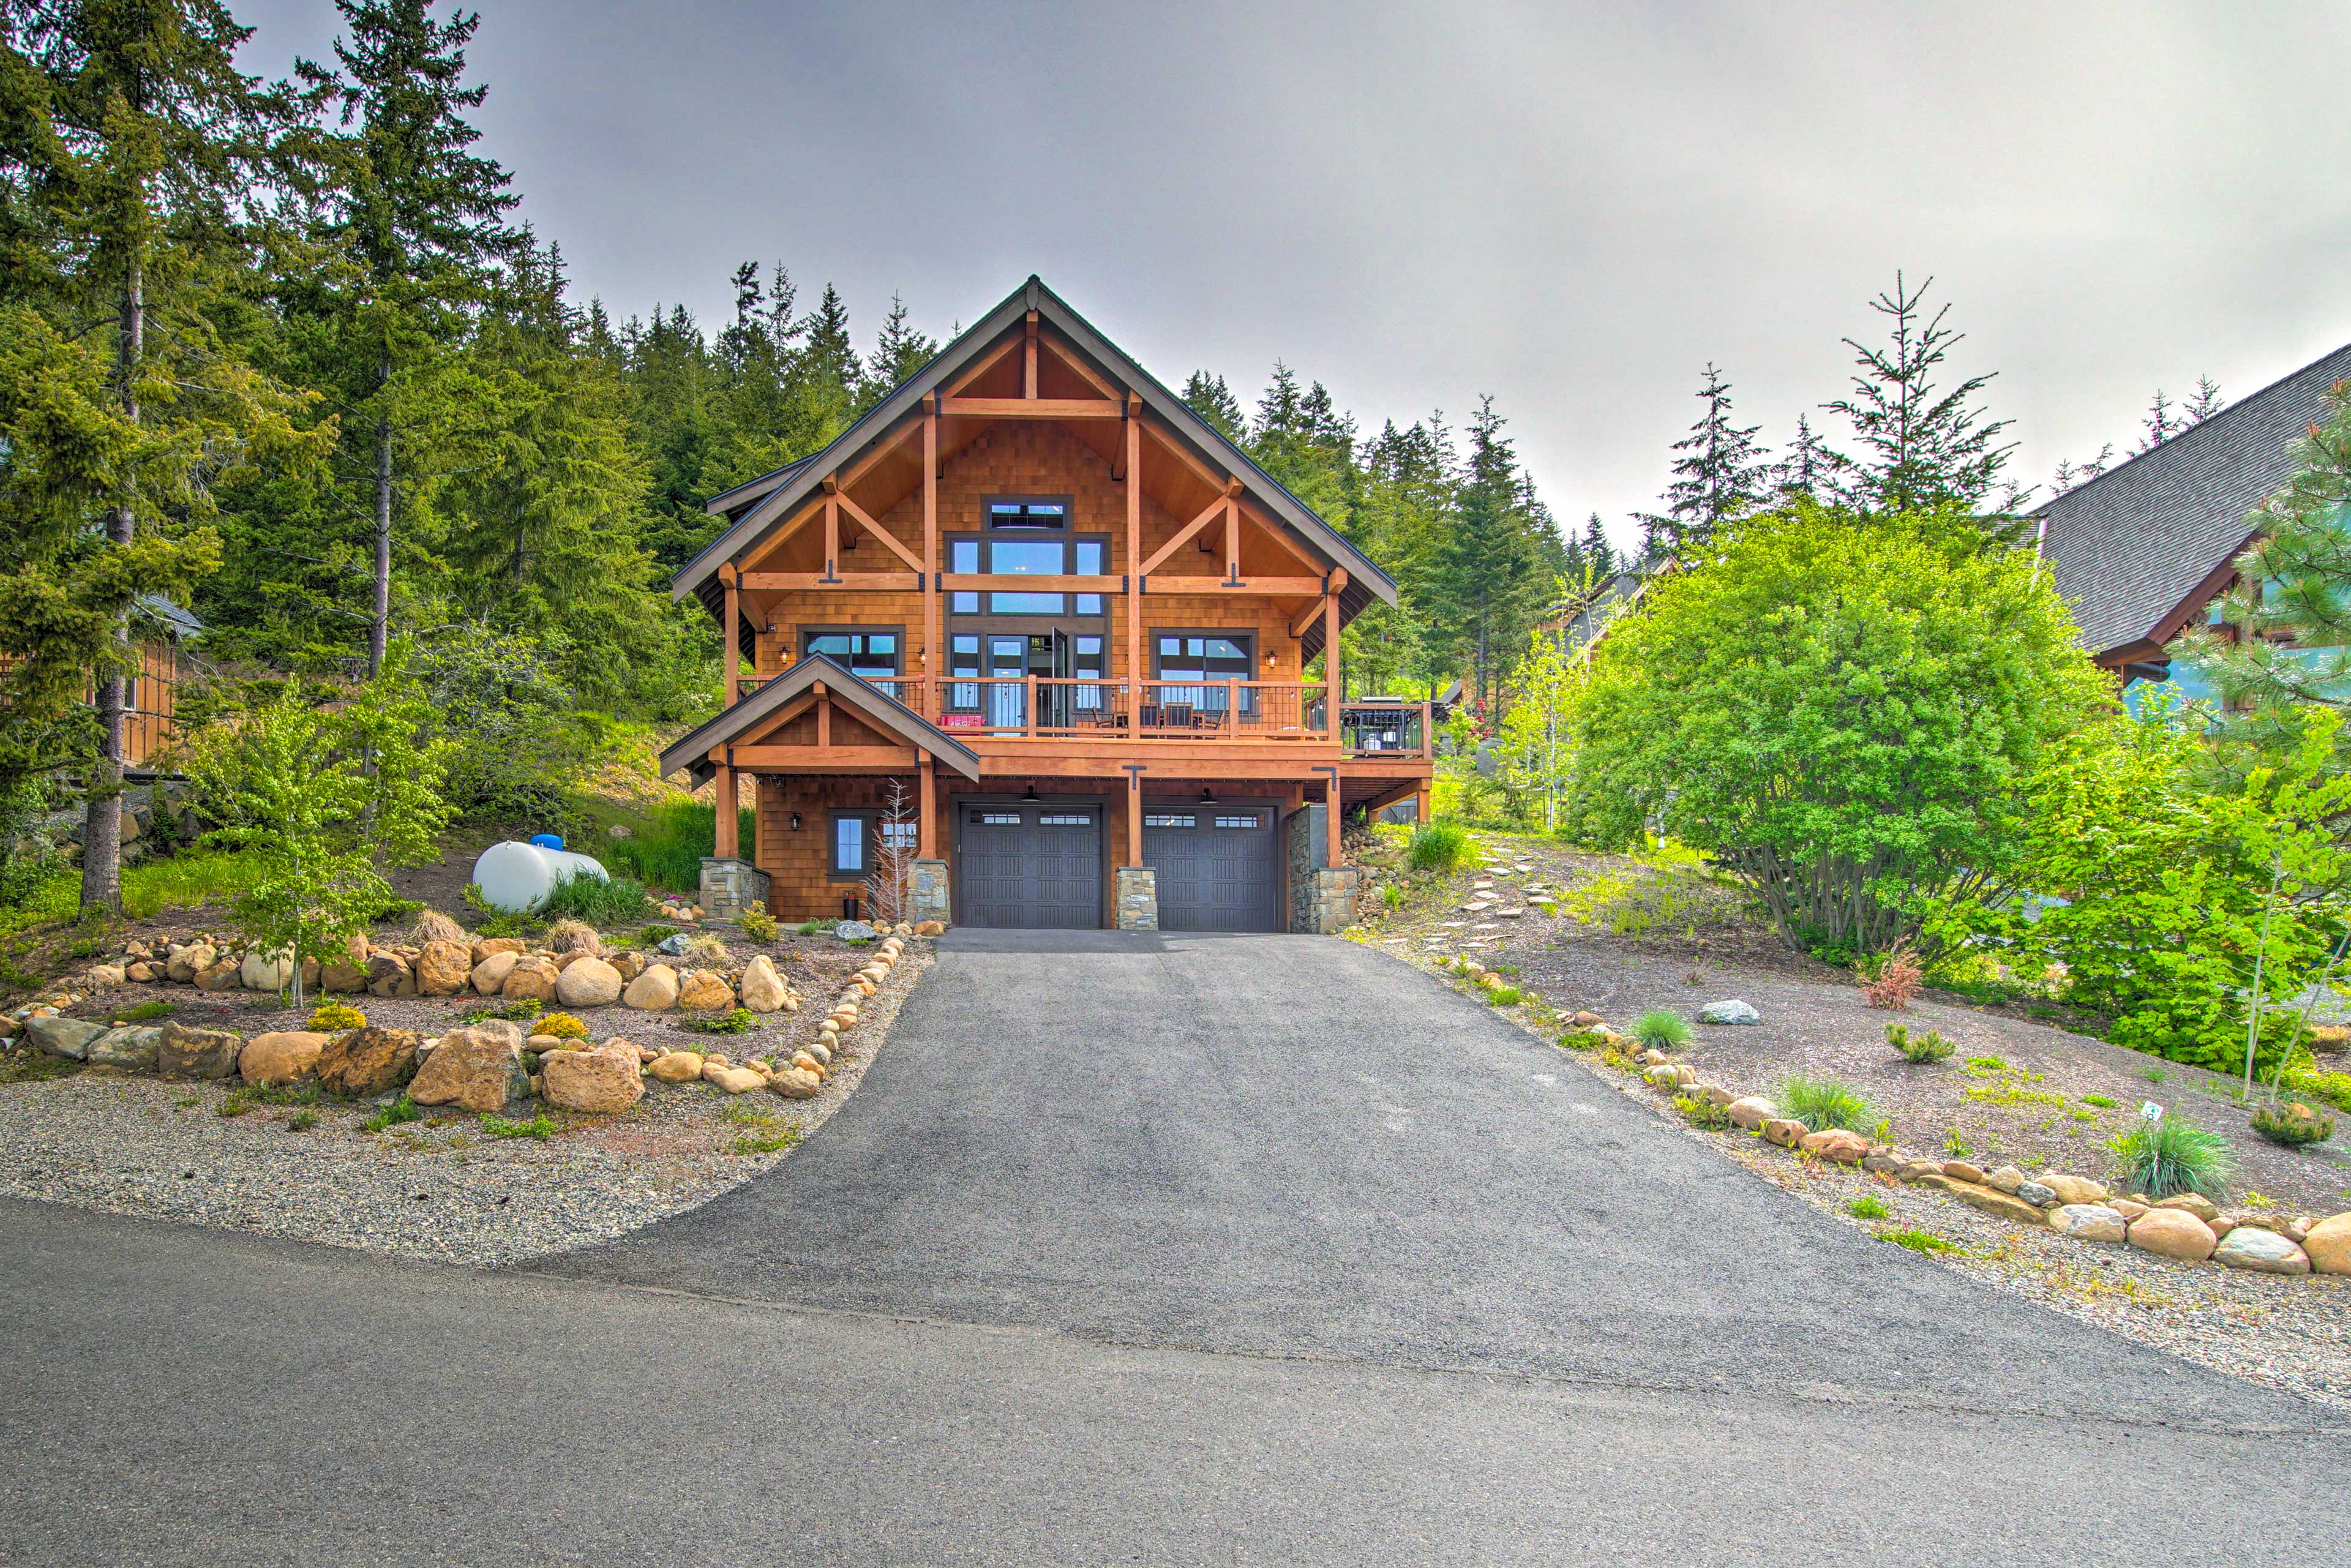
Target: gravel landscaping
[
  {"x": 2014, "y": 1090},
  {"x": 445, "y": 1185}
]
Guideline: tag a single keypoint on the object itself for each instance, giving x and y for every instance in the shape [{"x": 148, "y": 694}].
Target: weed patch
[
  {"x": 539, "y": 1128},
  {"x": 1924, "y": 1241},
  {"x": 742, "y": 1020},
  {"x": 148, "y": 1012},
  {"x": 400, "y": 1110},
  {"x": 1868, "y": 1205}
]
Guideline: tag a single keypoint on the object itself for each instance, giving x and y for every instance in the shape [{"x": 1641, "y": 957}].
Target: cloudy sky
[{"x": 1571, "y": 207}]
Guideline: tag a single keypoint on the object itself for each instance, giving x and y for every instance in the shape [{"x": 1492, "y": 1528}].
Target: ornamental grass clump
[
  {"x": 574, "y": 937},
  {"x": 1820, "y": 1103},
  {"x": 431, "y": 926},
  {"x": 1438, "y": 847},
  {"x": 2168, "y": 1156},
  {"x": 1659, "y": 1029},
  {"x": 1897, "y": 979},
  {"x": 1928, "y": 1047}
]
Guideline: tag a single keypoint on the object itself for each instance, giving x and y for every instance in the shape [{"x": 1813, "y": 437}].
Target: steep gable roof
[
  {"x": 756, "y": 505},
  {"x": 2135, "y": 548},
  {"x": 691, "y": 750}
]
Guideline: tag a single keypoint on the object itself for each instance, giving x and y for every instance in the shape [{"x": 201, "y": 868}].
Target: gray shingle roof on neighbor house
[{"x": 2128, "y": 547}]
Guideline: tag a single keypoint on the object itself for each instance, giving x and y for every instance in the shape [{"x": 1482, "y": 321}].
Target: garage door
[
  {"x": 1030, "y": 866},
  {"x": 1215, "y": 865}
]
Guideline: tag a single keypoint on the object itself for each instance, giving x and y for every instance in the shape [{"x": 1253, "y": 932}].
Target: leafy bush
[
  {"x": 2334, "y": 1088},
  {"x": 2293, "y": 1125},
  {"x": 1840, "y": 710},
  {"x": 560, "y": 1026},
  {"x": 1820, "y": 1103},
  {"x": 594, "y": 900},
  {"x": 651, "y": 936},
  {"x": 400, "y": 1110},
  {"x": 2103, "y": 1102},
  {"x": 1928, "y": 1047},
  {"x": 2168, "y": 1155},
  {"x": 814, "y": 927},
  {"x": 1503, "y": 996},
  {"x": 742, "y": 1020},
  {"x": 757, "y": 924},
  {"x": 1659, "y": 1029},
  {"x": 1391, "y": 897},
  {"x": 1438, "y": 847},
  {"x": 334, "y": 1017}
]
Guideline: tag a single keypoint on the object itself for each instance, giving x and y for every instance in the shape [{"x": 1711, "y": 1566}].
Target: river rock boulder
[
  {"x": 2194, "y": 1203},
  {"x": 2088, "y": 1222},
  {"x": 530, "y": 979},
  {"x": 389, "y": 975},
  {"x": 185, "y": 1052},
  {"x": 1838, "y": 1143},
  {"x": 2263, "y": 1251},
  {"x": 704, "y": 990},
  {"x": 489, "y": 945},
  {"x": 1731, "y": 1011},
  {"x": 476, "y": 1069},
  {"x": 257, "y": 972},
  {"x": 599, "y": 1081},
  {"x": 763, "y": 989},
  {"x": 734, "y": 1079},
  {"x": 2172, "y": 1233},
  {"x": 490, "y": 971},
  {"x": 368, "y": 1060},
  {"x": 796, "y": 1084},
  {"x": 129, "y": 1049},
  {"x": 2073, "y": 1189},
  {"x": 184, "y": 962},
  {"x": 2328, "y": 1243},
  {"x": 676, "y": 1067},
  {"x": 343, "y": 978},
  {"x": 221, "y": 974},
  {"x": 654, "y": 991},
  {"x": 444, "y": 968},
  {"x": 68, "y": 1038},
  {"x": 587, "y": 982},
  {"x": 282, "y": 1057}
]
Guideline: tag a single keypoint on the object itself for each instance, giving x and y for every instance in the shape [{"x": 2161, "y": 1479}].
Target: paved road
[{"x": 1175, "y": 1250}]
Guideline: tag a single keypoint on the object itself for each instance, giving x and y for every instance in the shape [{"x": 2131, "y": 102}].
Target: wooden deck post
[
  {"x": 1331, "y": 688},
  {"x": 1420, "y": 806},
  {"x": 926, "y": 836},
  {"x": 1331, "y": 852},
  {"x": 1134, "y": 817},
  {"x": 1134, "y": 665},
  {"x": 733, "y": 623},
  {"x": 728, "y": 846},
  {"x": 934, "y": 667}
]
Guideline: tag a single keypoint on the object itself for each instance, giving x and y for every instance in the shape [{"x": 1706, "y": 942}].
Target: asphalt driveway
[{"x": 1298, "y": 1148}]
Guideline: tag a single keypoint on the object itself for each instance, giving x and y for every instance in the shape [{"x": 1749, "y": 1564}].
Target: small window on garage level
[
  {"x": 1170, "y": 820},
  {"x": 1239, "y": 820},
  {"x": 1066, "y": 819},
  {"x": 997, "y": 819}
]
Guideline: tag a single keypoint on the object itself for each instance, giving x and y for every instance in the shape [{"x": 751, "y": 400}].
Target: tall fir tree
[
  {"x": 1599, "y": 558},
  {"x": 138, "y": 160},
  {"x": 1809, "y": 469},
  {"x": 1722, "y": 475},
  {"x": 1213, "y": 401},
  {"x": 1920, "y": 447},
  {"x": 2162, "y": 422},
  {"x": 1490, "y": 562},
  {"x": 2203, "y": 403},
  {"x": 419, "y": 221},
  {"x": 898, "y": 353}
]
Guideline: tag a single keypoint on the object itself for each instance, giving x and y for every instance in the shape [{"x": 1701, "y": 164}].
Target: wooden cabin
[{"x": 1072, "y": 625}]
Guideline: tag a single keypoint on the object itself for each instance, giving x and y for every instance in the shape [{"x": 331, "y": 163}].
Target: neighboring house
[
  {"x": 2146, "y": 548},
  {"x": 1071, "y": 623},
  {"x": 1580, "y": 621},
  {"x": 151, "y": 692}
]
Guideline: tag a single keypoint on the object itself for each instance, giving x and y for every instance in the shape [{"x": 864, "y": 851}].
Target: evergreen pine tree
[
  {"x": 1921, "y": 447},
  {"x": 2159, "y": 426},
  {"x": 421, "y": 222},
  {"x": 824, "y": 377},
  {"x": 1491, "y": 584},
  {"x": 899, "y": 353},
  {"x": 1720, "y": 477},
  {"x": 1809, "y": 468},
  {"x": 2203, "y": 403},
  {"x": 135, "y": 160},
  {"x": 1213, "y": 401},
  {"x": 1598, "y": 555}
]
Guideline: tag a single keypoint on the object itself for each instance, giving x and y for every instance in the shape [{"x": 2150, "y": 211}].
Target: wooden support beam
[
  {"x": 1032, "y": 408},
  {"x": 926, "y": 845},
  {"x": 1028, "y": 380},
  {"x": 1331, "y": 852},
  {"x": 1208, "y": 513},
  {"x": 1134, "y": 664},
  {"x": 1305, "y": 618},
  {"x": 867, "y": 582},
  {"x": 824, "y": 720},
  {"x": 733, "y": 622},
  {"x": 1118, "y": 455},
  {"x": 836, "y": 759},
  {"x": 1266, "y": 587},
  {"x": 729, "y": 830},
  {"x": 865, "y": 521},
  {"x": 1338, "y": 689},
  {"x": 996, "y": 357},
  {"x": 1233, "y": 541},
  {"x": 932, "y": 663},
  {"x": 832, "y": 535}
]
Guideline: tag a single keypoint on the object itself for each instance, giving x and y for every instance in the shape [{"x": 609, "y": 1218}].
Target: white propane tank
[{"x": 517, "y": 878}]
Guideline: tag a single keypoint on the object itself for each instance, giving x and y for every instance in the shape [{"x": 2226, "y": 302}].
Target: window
[
  {"x": 1202, "y": 656},
  {"x": 849, "y": 832},
  {"x": 963, "y": 664},
  {"x": 1170, "y": 820},
  {"x": 866, "y": 653},
  {"x": 904, "y": 837},
  {"x": 1241, "y": 820},
  {"x": 1016, "y": 512},
  {"x": 1066, "y": 819},
  {"x": 997, "y": 819}
]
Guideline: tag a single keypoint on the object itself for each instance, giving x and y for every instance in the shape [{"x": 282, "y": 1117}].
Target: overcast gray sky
[{"x": 1571, "y": 207}]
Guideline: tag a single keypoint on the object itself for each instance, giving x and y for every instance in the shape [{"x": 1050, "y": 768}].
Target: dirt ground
[{"x": 2014, "y": 1090}]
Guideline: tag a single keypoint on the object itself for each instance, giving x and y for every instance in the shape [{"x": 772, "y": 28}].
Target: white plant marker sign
[{"x": 2149, "y": 1110}]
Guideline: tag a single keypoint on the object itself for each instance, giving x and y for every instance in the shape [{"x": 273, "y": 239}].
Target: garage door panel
[
  {"x": 1029, "y": 867},
  {"x": 1214, "y": 866}
]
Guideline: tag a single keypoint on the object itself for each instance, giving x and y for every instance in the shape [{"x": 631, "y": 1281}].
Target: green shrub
[
  {"x": 541, "y": 1128},
  {"x": 653, "y": 935},
  {"x": 2167, "y": 1156},
  {"x": 1928, "y": 1047},
  {"x": 1504, "y": 996},
  {"x": 400, "y": 1110},
  {"x": 490, "y": 920},
  {"x": 757, "y": 924},
  {"x": 1820, "y": 1103},
  {"x": 2334, "y": 1088},
  {"x": 2154, "y": 1074},
  {"x": 1438, "y": 847},
  {"x": 2293, "y": 1125},
  {"x": 1659, "y": 1029},
  {"x": 814, "y": 927},
  {"x": 742, "y": 1020},
  {"x": 334, "y": 1017},
  {"x": 1392, "y": 897},
  {"x": 560, "y": 1026},
  {"x": 1868, "y": 1205},
  {"x": 148, "y": 1012},
  {"x": 597, "y": 900},
  {"x": 766, "y": 1143}
]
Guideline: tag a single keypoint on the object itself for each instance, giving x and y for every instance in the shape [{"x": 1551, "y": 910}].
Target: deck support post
[
  {"x": 926, "y": 842},
  {"x": 1333, "y": 856},
  {"x": 1134, "y": 665},
  {"x": 734, "y": 625},
  {"x": 934, "y": 667},
  {"x": 729, "y": 832}
]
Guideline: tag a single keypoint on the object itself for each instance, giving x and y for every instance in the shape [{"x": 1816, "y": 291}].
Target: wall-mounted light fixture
[
  {"x": 796, "y": 821},
  {"x": 1030, "y": 792}
]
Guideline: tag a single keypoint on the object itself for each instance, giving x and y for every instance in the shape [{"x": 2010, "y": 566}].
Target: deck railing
[{"x": 1054, "y": 707}]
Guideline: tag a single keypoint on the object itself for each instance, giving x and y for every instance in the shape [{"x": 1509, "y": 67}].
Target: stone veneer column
[
  {"x": 1138, "y": 898},
  {"x": 731, "y": 886},
  {"x": 929, "y": 899},
  {"x": 1335, "y": 892}
]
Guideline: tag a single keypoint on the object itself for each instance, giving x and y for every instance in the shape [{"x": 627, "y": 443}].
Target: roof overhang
[
  {"x": 756, "y": 506},
  {"x": 885, "y": 713}
]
